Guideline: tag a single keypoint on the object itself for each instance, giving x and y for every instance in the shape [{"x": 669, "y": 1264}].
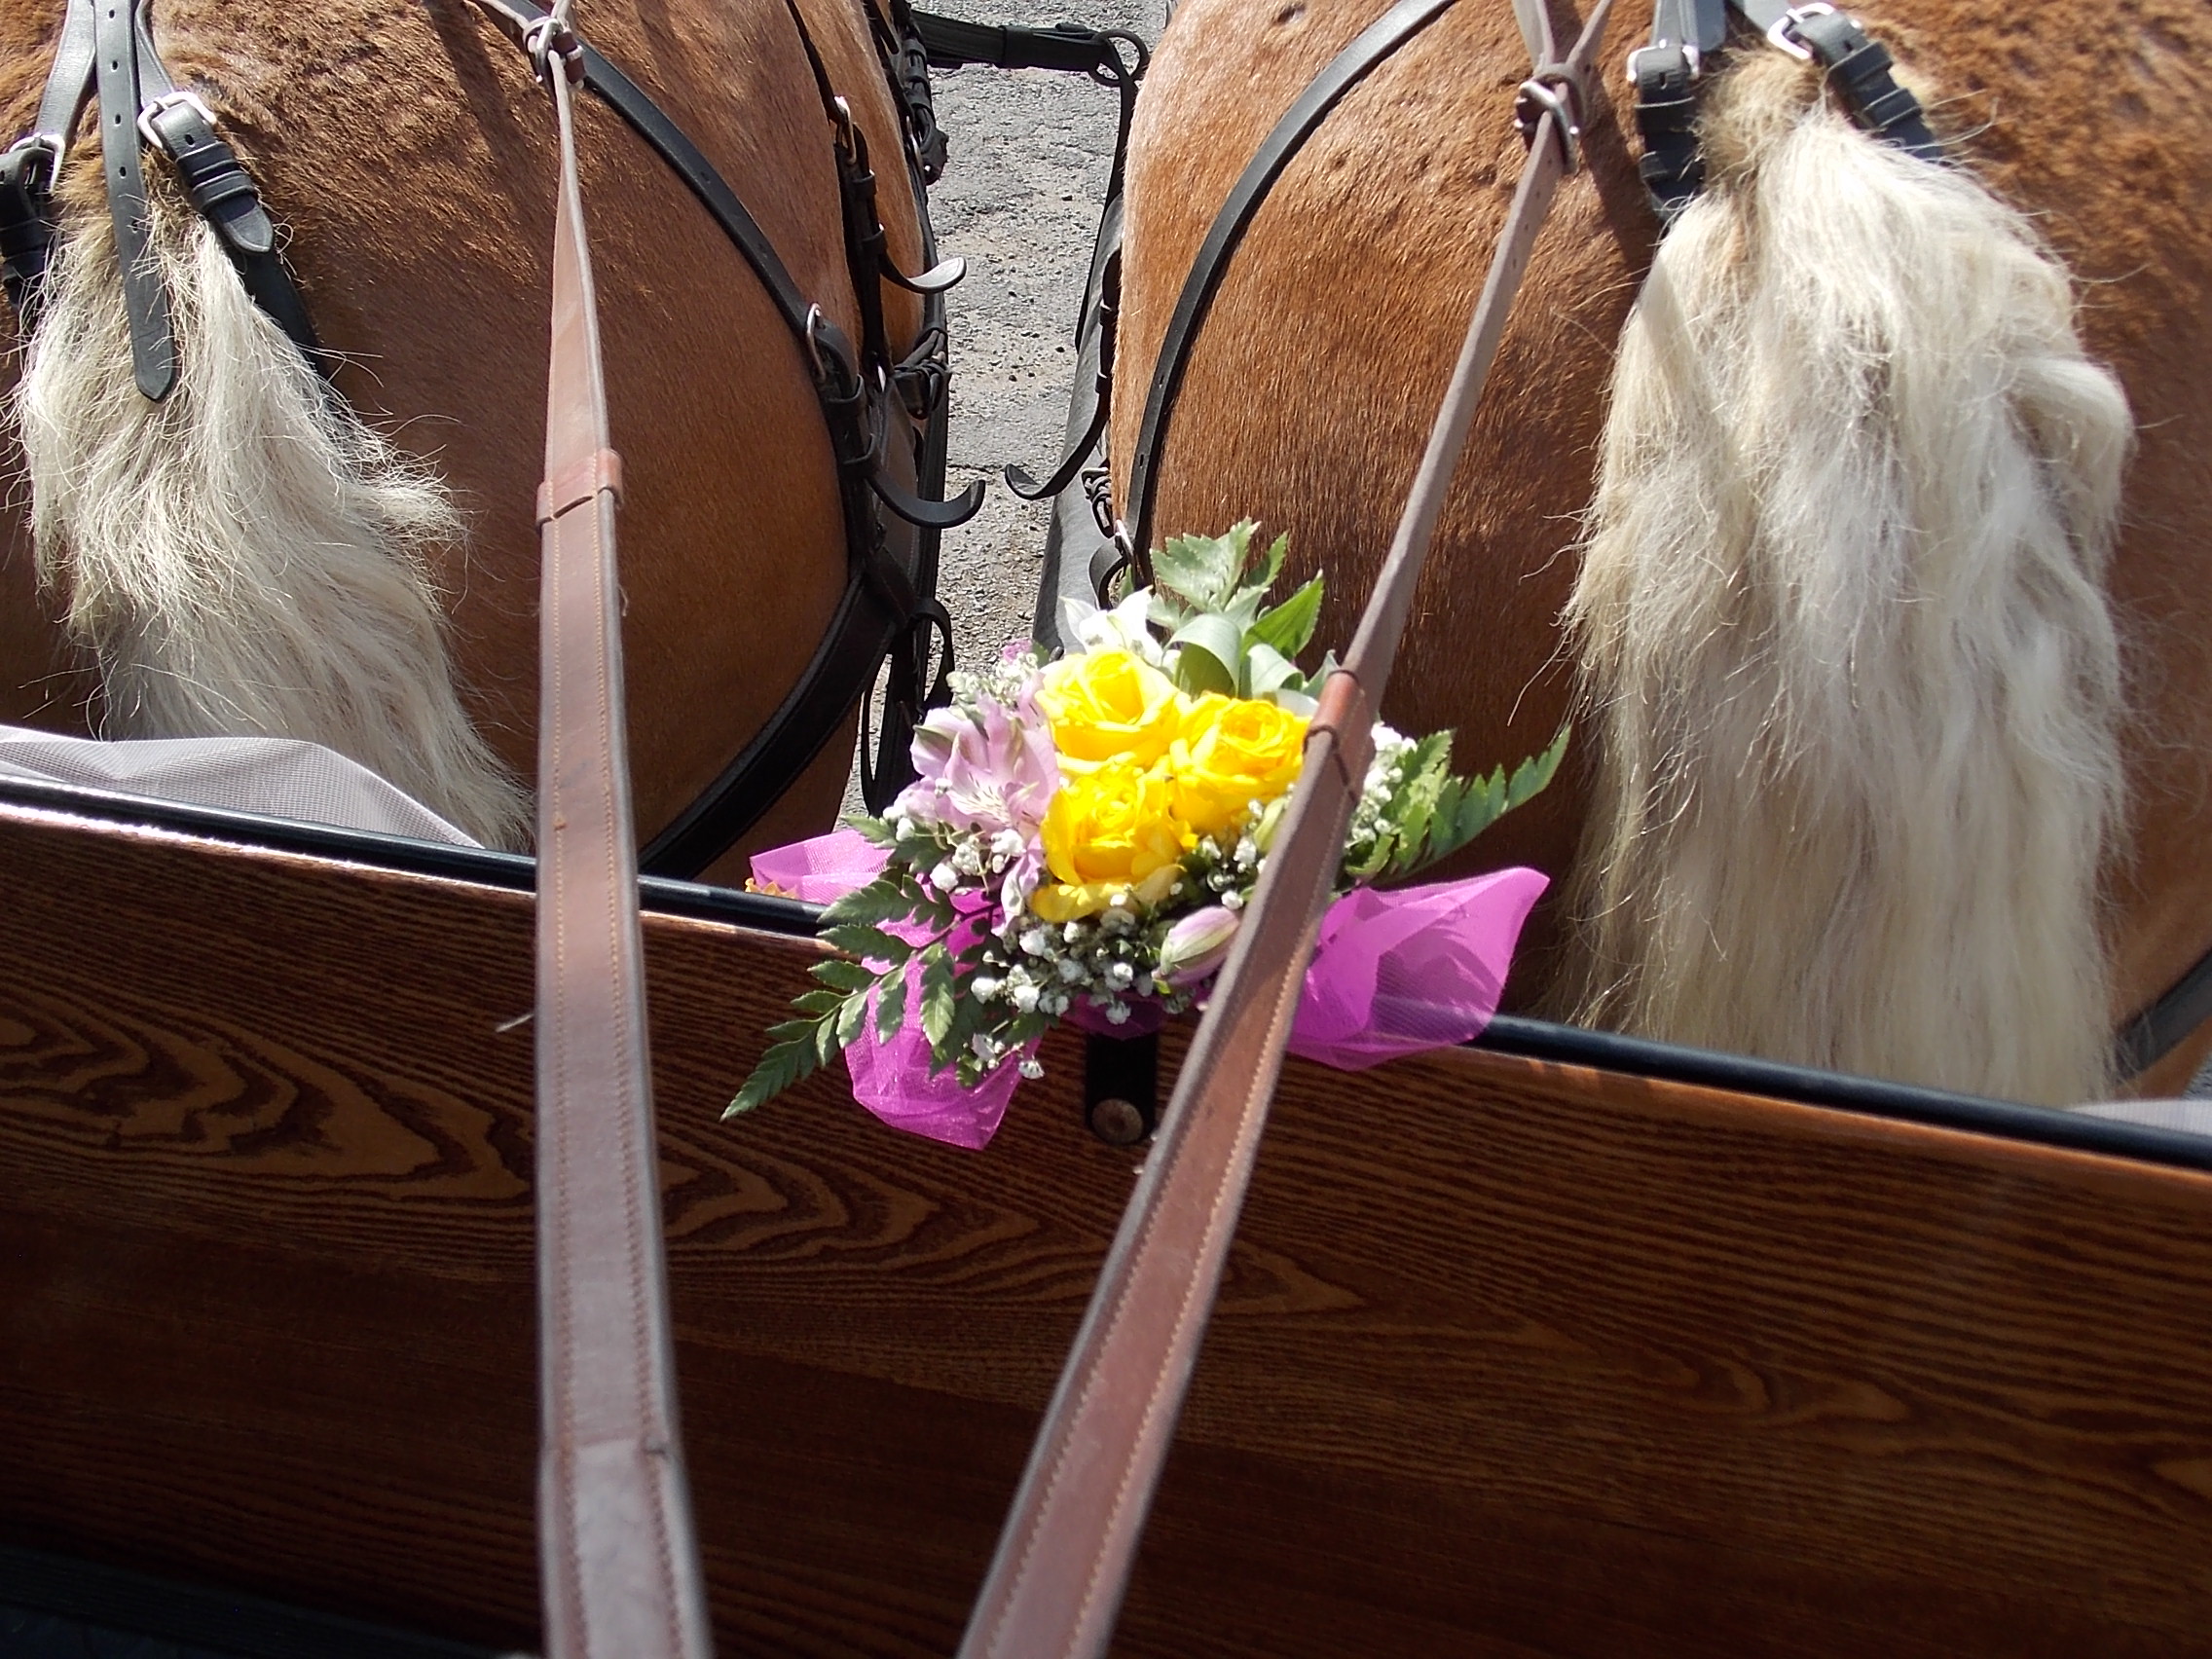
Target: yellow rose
[
  {"x": 1108, "y": 704},
  {"x": 1233, "y": 752},
  {"x": 1108, "y": 830}
]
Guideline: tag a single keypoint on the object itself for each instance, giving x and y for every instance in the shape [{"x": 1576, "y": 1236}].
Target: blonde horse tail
[
  {"x": 1841, "y": 618},
  {"x": 247, "y": 557}
]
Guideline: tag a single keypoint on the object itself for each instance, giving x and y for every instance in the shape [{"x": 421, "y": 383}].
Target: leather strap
[
  {"x": 1056, "y": 1581},
  {"x": 2159, "y": 1029},
  {"x": 145, "y": 298},
  {"x": 619, "y": 1561},
  {"x": 952, "y": 43},
  {"x": 1350, "y": 66},
  {"x": 31, "y": 164},
  {"x": 1685, "y": 34}
]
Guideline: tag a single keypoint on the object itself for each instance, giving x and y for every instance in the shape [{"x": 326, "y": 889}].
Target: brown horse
[
  {"x": 1822, "y": 817},
  {"x": 406, "y": 153}
]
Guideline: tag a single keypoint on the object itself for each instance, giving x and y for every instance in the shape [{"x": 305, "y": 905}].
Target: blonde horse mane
[
  {"x": 1842, "y": 621},
  {"x": 247, "y": 557}
]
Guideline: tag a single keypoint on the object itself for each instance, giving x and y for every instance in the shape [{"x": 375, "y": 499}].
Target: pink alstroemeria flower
[{"x": 992, "y": 770}]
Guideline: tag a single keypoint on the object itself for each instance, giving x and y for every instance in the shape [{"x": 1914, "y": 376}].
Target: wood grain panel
[{"x": 1513, "y": 1358}]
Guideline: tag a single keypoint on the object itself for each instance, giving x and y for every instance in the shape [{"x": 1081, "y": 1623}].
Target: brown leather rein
[
  {"x": 619, "y": 1555},
  {"x": 1055, "y": 1584},
  {"x": 618, "y": 1558}
]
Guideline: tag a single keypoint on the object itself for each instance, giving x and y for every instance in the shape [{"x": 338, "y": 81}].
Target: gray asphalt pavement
[{"x": 1019, "y": 200}]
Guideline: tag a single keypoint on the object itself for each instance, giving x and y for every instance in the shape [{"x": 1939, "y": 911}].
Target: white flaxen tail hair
[
  {"x": 247, "y": 557},
  {"x": 1841, "y": 616}
]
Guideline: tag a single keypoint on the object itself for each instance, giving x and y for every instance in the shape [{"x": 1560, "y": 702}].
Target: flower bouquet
[{"x": 1084, "y": 834}]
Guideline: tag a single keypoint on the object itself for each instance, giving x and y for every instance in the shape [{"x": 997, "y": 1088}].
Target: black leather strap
[
  {"x": 953, "y": 43},
  {"x": 1859, "y": 68},
  {"x": 2159, "y": 1029},
  {"x": 1350, "y": 66},
  {"x": 145, "y": 298},
  {"x": 31, "y": 166},
  {"x": 1665, "y": 75},
  {"x": 224, "y": 193},
  {"x": 1686, "y": 33},
  {"x": 1105, "y": 317}
]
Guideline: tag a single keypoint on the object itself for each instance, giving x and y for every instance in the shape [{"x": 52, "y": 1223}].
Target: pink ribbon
[{"x": 1393, "y": 972}]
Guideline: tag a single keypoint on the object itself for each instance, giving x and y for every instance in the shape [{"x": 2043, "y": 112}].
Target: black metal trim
[
  {"x": 202, "y": 1616},
  {"x": 2005, "y": 1119}
]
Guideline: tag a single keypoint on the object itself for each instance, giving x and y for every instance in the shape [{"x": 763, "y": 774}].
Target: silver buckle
[
  {"x": 1695, "y": 58},
  {"x": 179, "y": 100},
  {"x": 1779, "y": 35},
  {"x": 47, "y": 144}
]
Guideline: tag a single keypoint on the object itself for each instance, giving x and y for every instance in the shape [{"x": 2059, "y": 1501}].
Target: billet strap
[
  {"x": 1055, "y": 1584},
  {"x": 617, "y": 1554},
  {"x": 1346, "y": 70},
  {"x": 145, "y": 297}
]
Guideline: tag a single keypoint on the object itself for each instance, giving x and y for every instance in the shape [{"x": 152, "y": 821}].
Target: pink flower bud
[{"x": 1197, "y": 945}]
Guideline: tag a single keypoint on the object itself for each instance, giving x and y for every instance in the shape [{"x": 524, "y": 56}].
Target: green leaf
[
  {"x": 891, "y": 1004},
  {"x": 1465, "y": 807},
  {"x": 873, "y": 831},
  {"x": 1266, "y": 670},
  {"x": 889, "y": 898},
  {"x": 1534, "y": 775},
  {"x": 1203, "y": 570},
  {"x": 781, "y": 1067},
  {"x": 826, "y": 1043},
  {"x": 937, "y": 996},
  {"x": 852, "y": 1018},
  {"x": 819, "y": 1001},
  {"x": 1289, "y": 626},
  {"x": 843, "y": 975},
  {"x": 1278, "y": 551},
  {"x": 868, "y": 942},
  {"x": 1211, "y": 653}
]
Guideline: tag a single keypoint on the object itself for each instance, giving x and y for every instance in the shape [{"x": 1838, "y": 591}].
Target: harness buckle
[
  {"x": 1782, "y": 35},
  {"x": 1692, "y": 60},
  {"x": 16, "y": 161},
  {"x": 182, "y": 98}
]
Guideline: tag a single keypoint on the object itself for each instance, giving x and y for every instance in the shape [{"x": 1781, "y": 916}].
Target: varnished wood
[{"x": 1513, "y": 1359}]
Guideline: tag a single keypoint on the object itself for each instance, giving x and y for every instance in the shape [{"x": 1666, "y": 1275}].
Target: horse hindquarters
[
  {"x": 1841, "y": 612},
  {"x": 247, "y": 556}
]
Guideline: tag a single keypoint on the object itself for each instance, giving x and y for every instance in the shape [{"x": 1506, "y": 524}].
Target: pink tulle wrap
[{"x": 1393, "y": 972}]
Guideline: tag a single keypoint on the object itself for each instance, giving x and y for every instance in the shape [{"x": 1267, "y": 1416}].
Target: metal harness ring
[{"x": 1555, "y": 89}]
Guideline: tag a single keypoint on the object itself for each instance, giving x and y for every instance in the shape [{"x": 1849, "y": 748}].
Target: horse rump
[{"x": 246, "y": 556}]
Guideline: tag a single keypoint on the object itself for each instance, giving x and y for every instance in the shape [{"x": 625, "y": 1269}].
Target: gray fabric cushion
[{"x": 280, "y": 776}]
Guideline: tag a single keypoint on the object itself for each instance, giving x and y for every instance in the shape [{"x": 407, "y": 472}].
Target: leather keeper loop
[
  {"x": 1344, "y": 716},
  {"x": 601, "y": 471}
]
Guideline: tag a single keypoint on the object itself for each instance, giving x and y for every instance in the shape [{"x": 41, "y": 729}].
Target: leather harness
[{"x": 885, "y": 414}]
